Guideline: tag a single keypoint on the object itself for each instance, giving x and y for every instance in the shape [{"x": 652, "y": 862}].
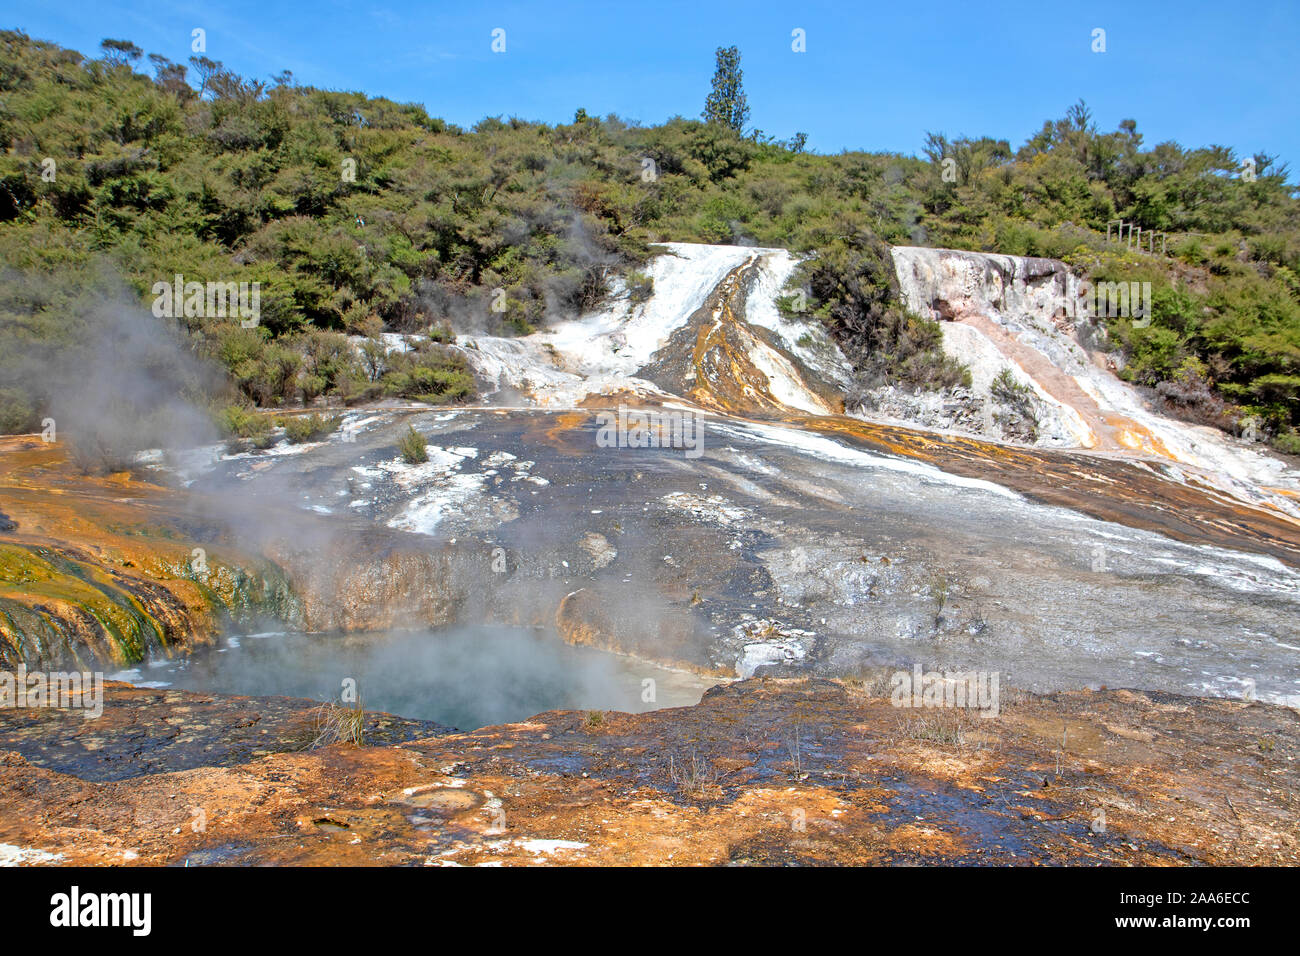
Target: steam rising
[
  {"x": 117, "y": 381},
  {"x": 464, "y": 677}
]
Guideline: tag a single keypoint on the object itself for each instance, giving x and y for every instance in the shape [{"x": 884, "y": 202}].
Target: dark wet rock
[
  {"x": 761, "y": 772},
  {"x": 226, "y": 854},
  {"x": 145, "y": 731}
]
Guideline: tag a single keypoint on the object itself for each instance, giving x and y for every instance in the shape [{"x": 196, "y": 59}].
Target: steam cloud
[
  {"x": 466, "y": 677},
  {"x": 115, "y": 379}
]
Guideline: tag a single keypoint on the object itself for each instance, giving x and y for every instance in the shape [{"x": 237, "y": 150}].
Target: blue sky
[{"x": 876, "y": 75}]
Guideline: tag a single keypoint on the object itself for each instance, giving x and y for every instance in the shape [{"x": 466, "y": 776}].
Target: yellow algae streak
[{"x": 99, "y": 568}]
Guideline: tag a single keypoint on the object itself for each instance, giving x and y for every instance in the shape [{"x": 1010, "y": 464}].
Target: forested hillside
[{"x": 359, "y": 215}]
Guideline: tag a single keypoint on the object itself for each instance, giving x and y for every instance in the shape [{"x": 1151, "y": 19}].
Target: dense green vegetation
[{"x": 359, "y": 215}]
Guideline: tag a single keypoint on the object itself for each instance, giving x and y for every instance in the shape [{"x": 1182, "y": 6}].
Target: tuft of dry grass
[
  {"x": 336, "y": 724},
  {"x": 693, "y": 775},
  {"x": 872, "y": 682},
  {"x": 948, "y": 726}
]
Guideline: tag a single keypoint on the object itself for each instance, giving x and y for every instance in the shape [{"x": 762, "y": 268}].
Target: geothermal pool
[{"x": 464, "y": 677}]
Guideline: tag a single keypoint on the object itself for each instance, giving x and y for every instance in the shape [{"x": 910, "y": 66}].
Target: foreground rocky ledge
[{"x": 760, "y": 772}]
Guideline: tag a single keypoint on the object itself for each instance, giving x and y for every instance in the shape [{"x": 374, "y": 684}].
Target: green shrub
[
  {"x": 789, "y": 305},
  {"x": 304, "y": 428},
  {"x": 18, "y": 414},
  {"x": 1288, "y": 442},
  {"x": 455, "y": 387},
  {"x": 413, "y": 448},
  {"x": 640, "y": 287},
  {"x": 436, "y": 375},
  {"x": 1018, "y": 414},
  {"x": 236, "y": 421}
]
